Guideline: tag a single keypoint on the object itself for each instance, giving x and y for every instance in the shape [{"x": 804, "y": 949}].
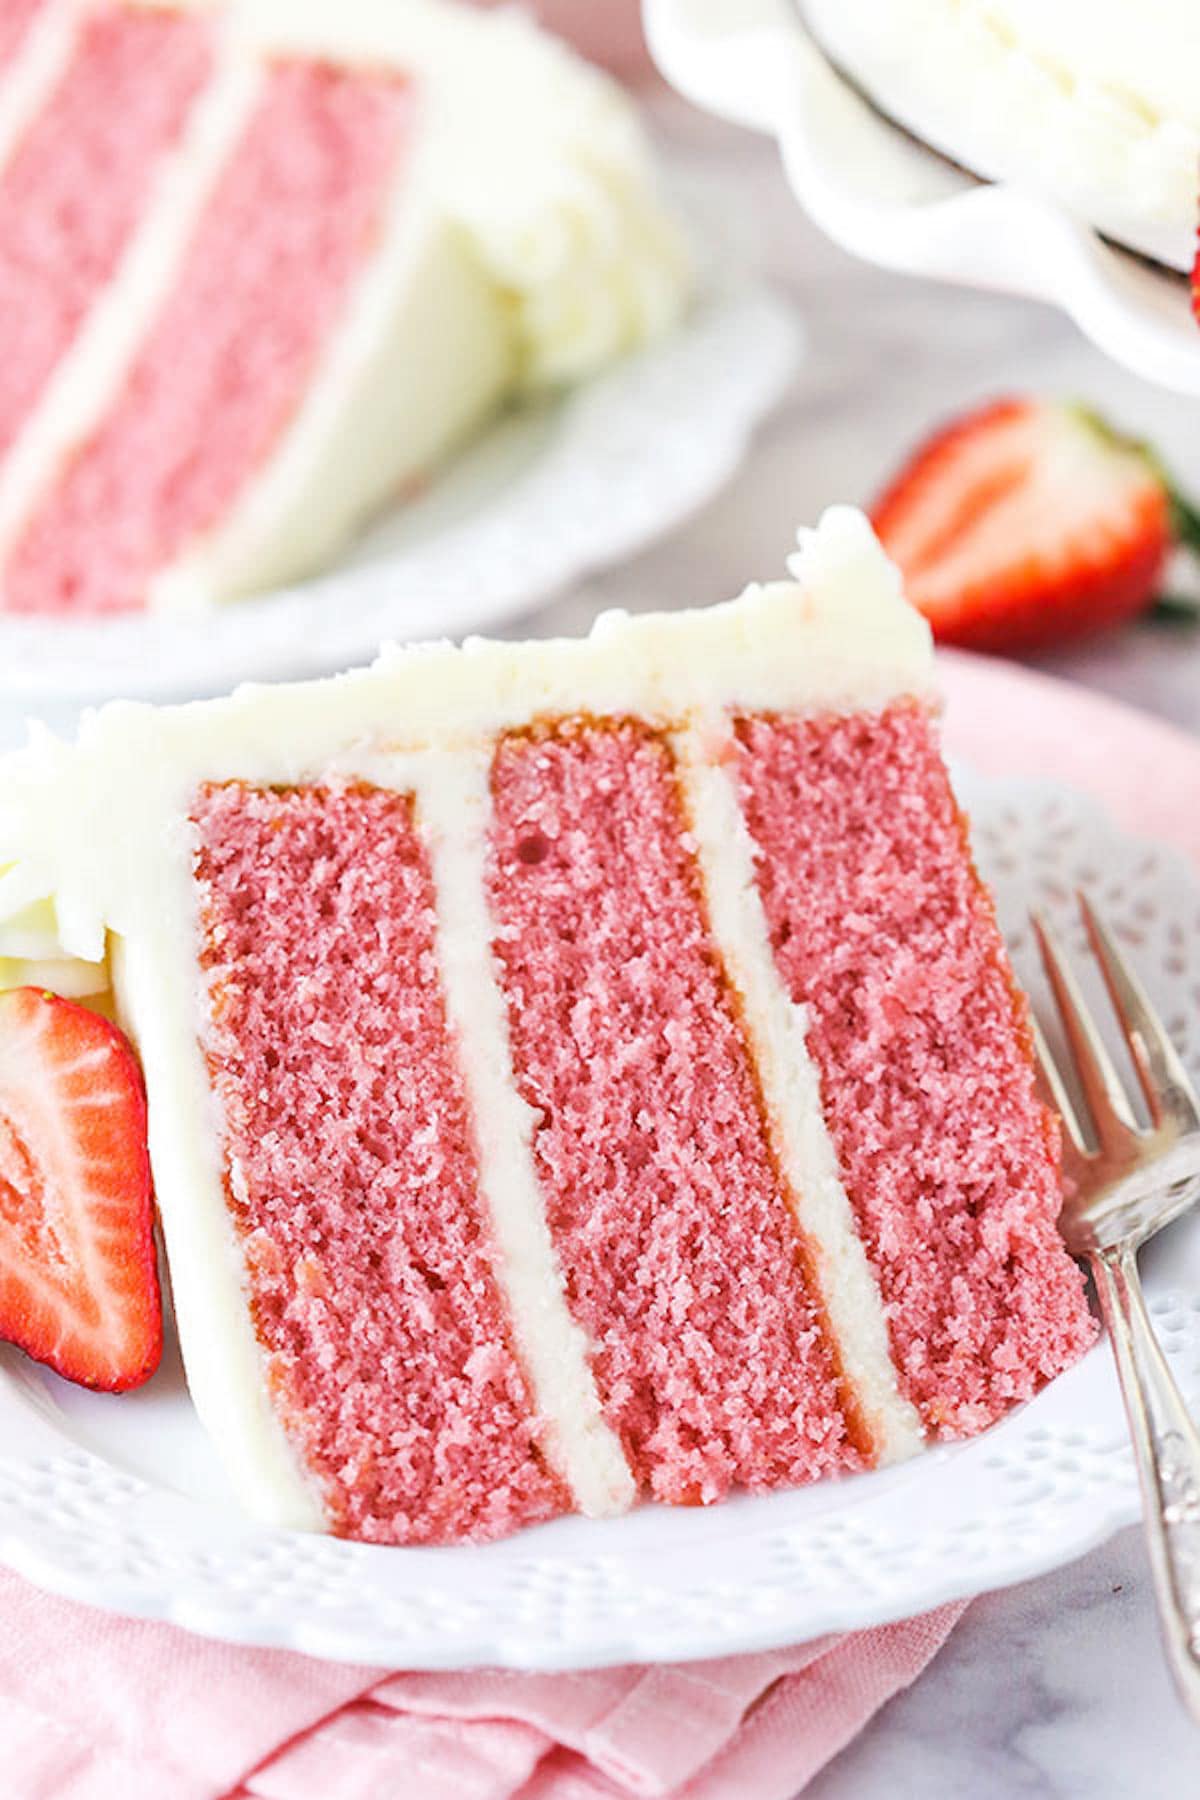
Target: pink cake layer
[
  {"x": 118, "y": 109},
  {"x": 16, "y": 16},
  {"x": 883, "y": 932},
  {"x": 680, "y": 1251},
  {"x": 352, "y": 1172},
  {"x": 224, "y": 369}
]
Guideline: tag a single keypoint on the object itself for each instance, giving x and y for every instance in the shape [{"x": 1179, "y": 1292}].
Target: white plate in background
[{"x": 884, "y": 197}]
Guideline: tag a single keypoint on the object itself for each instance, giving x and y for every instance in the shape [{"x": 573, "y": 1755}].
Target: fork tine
[
  {"x": 1074, "y": 1144},
  {"x": 1101, "y": 1084},
  {"x": 1165, "y": 1081}
]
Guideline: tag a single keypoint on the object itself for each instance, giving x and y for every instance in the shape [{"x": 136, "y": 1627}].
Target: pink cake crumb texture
[
  {"x": 680, "y": 1252},
  {"x": 883, "y": 931},
  {"x": 225, "y": 367},
  {"x": 16, "y": 16},
  {"x": 119, "y": 107},
  {"x": 352, "y": 1175}
]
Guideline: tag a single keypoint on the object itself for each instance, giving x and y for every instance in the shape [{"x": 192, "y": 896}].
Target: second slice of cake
[{"x": 577, "y": 1070}]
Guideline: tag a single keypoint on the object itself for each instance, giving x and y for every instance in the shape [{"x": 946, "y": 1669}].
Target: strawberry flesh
[
  {"x": 78, "y": 1277},
  {"x": 1024, "y": 523}
]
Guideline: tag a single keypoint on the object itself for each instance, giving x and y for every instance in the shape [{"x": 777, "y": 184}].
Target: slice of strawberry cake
[
  {"x": 576, "y": 1070},
  {"x": 263, "y": 265}
]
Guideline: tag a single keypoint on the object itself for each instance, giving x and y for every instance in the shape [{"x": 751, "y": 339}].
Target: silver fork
[{"x": 1124, "y": 1184}]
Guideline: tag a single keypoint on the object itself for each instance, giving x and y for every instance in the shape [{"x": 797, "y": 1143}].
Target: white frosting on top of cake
[
  {"x": 1095, "y": 103},
  {"x": 84, "y": 821},
  {"x": 101, "y": 828}
]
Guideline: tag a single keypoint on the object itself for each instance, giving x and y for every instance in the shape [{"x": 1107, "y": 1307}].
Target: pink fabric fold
[
  {"x": 94, "y": 1706},
  {"x": 98, "y": 1707},
  {"x": 1006, "y": 720}
]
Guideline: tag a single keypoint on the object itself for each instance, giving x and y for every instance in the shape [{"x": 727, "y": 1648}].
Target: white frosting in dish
[
  {"x": 1095, "y": 103},
  {"x": 100, "y": 827},
  {"x": 525, "y": 246},
  {"x": 1146, "y": 52}
]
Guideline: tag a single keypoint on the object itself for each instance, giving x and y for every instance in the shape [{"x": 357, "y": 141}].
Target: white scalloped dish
[
  {"x": 881, "y": 194},
  {"x": 118, "y": 1501}
]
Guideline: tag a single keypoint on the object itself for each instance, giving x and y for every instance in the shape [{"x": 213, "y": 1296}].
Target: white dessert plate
[
  {"x": 884, "y": 197},
  {"x": 551, "y": 493},
  {"x": 119, "y": 1500}
]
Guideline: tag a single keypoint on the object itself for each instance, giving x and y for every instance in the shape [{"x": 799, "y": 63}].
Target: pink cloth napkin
[
  {"x": 97, "y": 1707},
  {"x": 1004, "y": 719}
]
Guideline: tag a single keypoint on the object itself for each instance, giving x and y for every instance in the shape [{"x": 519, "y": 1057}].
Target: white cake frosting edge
[{"x": 101, "y": 827}]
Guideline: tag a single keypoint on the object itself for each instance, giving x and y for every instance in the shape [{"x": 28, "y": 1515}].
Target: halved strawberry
[
  {"x": 1026, "y": 522},
  {"x": 78, "y": 1279}
]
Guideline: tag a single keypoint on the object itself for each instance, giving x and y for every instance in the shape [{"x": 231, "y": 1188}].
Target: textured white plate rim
[
  {"x": 307, "y": 1636},
  {"x": 1046, "y": 1485},
  {"x": 883, "y": 197},
  {"x": 550, "y": 494}
]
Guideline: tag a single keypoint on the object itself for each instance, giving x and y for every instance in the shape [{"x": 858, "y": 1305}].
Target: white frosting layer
[
  {"x": 424, "y": 356},
  {"x": 160, "y": 1003},
  {"x": 453, "y": 812},
  {"x": 90, "y": 377},
  {"x": 791, "y": 1088},
  {"x": 1093, "y": 101},
  {"x": 525, "y": 245},
  {"x": 100, "y": 827},
  {"x": 35, "y": 71}
]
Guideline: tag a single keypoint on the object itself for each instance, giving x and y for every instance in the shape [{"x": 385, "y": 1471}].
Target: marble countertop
[{"x": 1055, "y": 1688}]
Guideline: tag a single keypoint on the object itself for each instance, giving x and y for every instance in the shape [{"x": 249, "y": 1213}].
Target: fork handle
[{"x": 1167, "y": 1446}]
